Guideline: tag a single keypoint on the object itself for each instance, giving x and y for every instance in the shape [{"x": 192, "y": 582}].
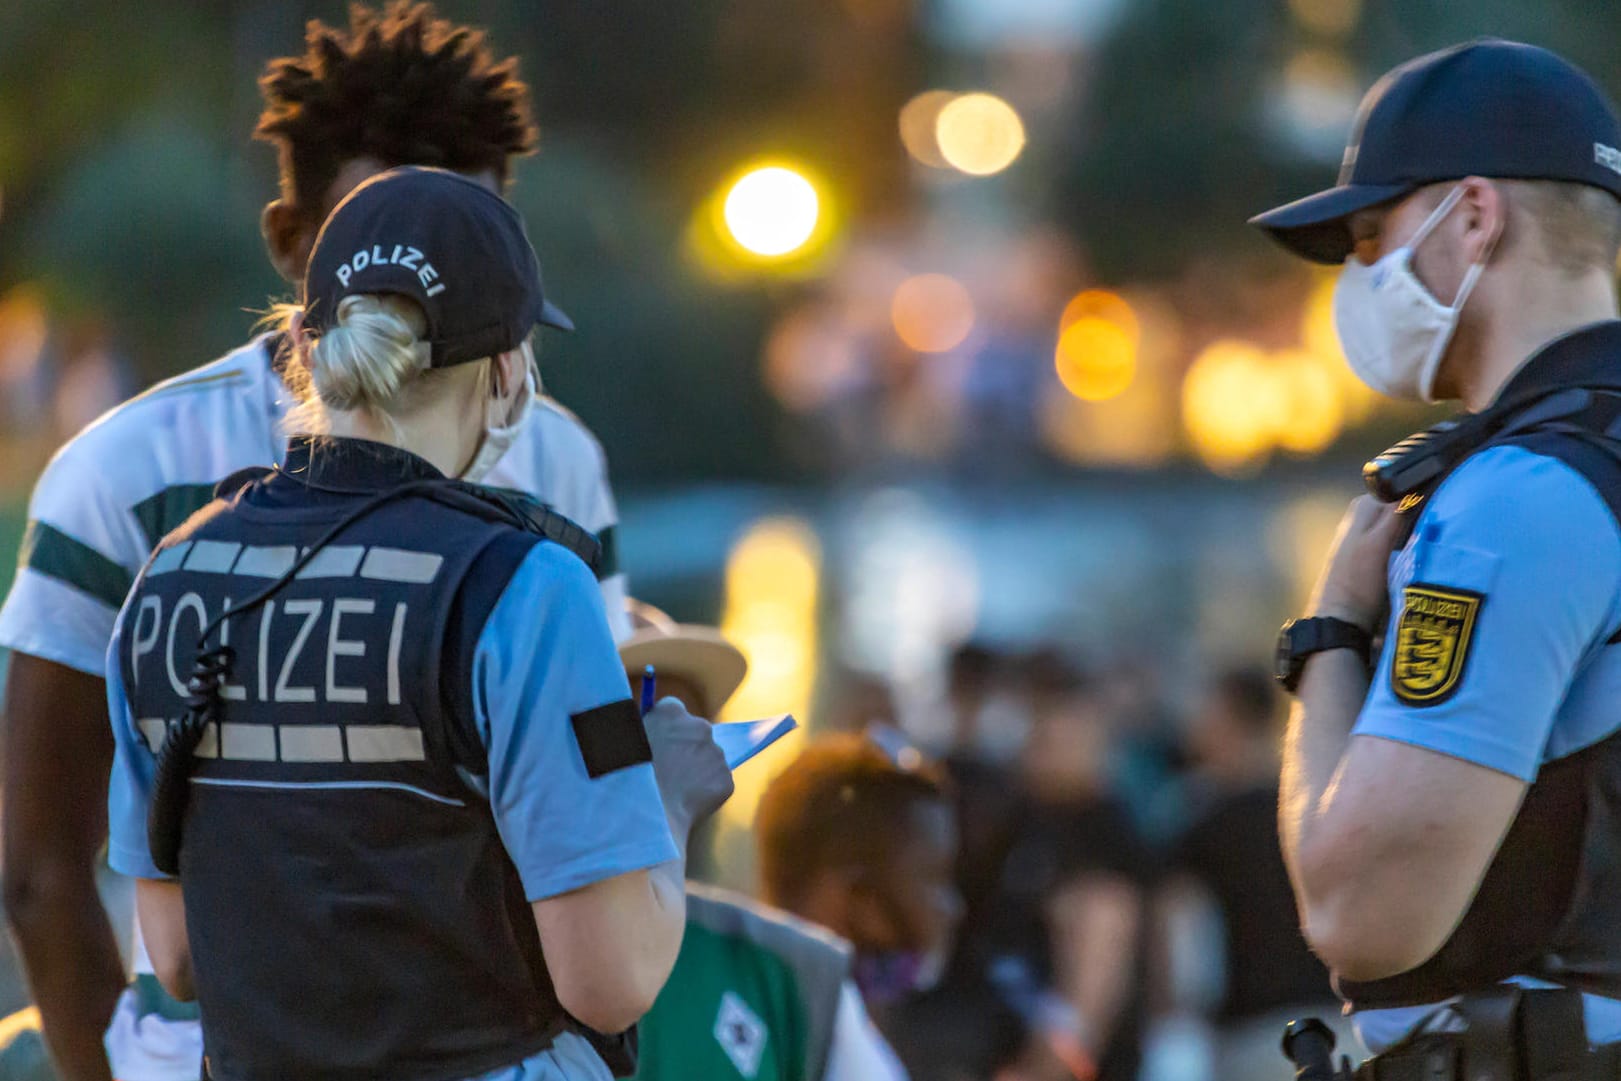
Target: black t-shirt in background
[{"x": 1233, "y": 851}]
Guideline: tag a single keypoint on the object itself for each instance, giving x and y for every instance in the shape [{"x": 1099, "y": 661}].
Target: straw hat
[{"x": 699, "y": 654}]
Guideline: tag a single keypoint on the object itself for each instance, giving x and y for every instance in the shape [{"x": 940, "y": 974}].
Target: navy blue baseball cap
[
  {"x": 453, "y": 246},
  {"x": 1488, "y": 108}
]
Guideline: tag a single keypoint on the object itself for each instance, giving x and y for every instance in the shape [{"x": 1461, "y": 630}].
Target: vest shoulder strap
[
  {"x": 528, "y": 514},
  {"x": 1580, "y": 426},
  {"x": 1594, "y": 453}
]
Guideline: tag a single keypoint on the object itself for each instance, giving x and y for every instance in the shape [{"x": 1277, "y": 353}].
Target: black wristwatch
[{"x": 1300, "y": 638}]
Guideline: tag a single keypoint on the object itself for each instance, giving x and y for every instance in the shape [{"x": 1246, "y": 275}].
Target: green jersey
[{"x": 753, "y": 996}]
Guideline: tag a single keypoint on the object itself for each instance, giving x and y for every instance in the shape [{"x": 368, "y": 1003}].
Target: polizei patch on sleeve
[
  {"x": 1432, "y": 643},
  {"x": 611, "y": 737}
]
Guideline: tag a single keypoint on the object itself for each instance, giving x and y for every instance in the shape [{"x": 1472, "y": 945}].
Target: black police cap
[
  {"x": 454, "y": 247},
  {"x": 1487, "y": 108}
]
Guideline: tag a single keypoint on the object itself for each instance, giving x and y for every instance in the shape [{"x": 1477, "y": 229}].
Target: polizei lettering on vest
[{"x": 361, "y": 654}]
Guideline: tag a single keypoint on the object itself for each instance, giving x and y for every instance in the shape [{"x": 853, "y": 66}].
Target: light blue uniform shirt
[
  {"x": 1539, "y": 546},
  {"x": 545, "y": 652}
]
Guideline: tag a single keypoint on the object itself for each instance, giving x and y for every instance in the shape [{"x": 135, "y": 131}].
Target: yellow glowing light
[
  {"x": 932, "y": 313},
  {"x": 1231, "y": 405},
  {"x": 919, "y": 120},
  {"x": 1096, "y": 358},
  {"x": 1101, "y": 304},
  {"x": 1312, "y": 416},
  {"x": 21, "y": 1021},
  {"x": 772, "y": 588},
  {"x": 1334, "y": 18},
  {"x": 979, "y": 134},
  {"x": 772, "y": 211}
]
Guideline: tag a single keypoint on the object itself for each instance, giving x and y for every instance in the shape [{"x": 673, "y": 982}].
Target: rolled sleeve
[
  {"x": 544, "y": 657},
  {"x": 1510, "y": 586}
]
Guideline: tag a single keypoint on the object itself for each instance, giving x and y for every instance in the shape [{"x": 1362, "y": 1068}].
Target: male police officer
[{"x": 1449, "y": 822}]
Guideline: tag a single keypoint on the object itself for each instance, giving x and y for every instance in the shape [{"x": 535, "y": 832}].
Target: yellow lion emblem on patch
[{"x": 1432, "y": 643}]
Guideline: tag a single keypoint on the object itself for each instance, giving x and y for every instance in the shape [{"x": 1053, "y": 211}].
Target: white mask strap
[{"x": 1437, "y": 216}]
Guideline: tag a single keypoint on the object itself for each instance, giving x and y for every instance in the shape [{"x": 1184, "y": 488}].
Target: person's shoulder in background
[
  {"x": 178, "y": 429},
  {"x": 735, "y": 917},
  {"x": 560, "y": 461}
]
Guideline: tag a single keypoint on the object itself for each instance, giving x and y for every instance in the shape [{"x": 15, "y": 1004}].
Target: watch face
[{"x": 1284, "y": 662}]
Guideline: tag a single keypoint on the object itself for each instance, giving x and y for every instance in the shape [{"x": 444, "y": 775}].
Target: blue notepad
[{"x": 742, "y": 740}]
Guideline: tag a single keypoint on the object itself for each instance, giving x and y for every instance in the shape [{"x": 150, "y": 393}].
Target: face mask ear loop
[
  {"x": 1437, "y": 216},
  {"x": 1471, "y": 277}
]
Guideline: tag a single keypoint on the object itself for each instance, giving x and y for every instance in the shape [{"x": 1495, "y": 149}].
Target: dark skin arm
[{"x": 58, "y": 757}]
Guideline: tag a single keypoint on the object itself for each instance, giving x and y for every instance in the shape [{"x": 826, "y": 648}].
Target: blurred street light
[
  {"x": 979, "y": 134},
  {"x": 772, "y": 211},
  {"x": 1314, "y": 412},
  {"x": 1096, "y": 358},
  {"x": 1098, "y": 339},
  {"x": 919, "y": 121},
  {"x": 1230, "y": 406},
  {"x": 932, "y": 313},
  {"x": 1101, "y": 304},
  {"x": 772, "y": 586}
]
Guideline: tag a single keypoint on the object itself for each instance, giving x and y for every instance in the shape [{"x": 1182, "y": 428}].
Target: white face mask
[
  {"x": 499, "y": 436},
  {"x": 1393, "y": 331}
]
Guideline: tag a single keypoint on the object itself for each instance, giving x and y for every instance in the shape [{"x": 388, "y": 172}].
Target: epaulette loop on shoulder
[{"x": 239, "y": 480}]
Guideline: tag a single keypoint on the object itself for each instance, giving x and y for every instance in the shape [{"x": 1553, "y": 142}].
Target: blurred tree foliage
[
  {"x": 1173, "y": 153},
  {"x": 131, "y": 189}
]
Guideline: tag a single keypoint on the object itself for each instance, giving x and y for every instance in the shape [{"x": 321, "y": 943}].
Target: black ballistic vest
[
  {"x": 1549, "y": 905},
  {"x": 351, "y": 910}
]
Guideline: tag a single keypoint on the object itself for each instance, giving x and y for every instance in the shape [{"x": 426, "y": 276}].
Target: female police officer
[{"x": 373, "y": 719}]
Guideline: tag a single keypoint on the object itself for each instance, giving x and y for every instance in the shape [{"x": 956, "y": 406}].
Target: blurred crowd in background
[
  {"x": 1124, "y": 909},
  {"x": 934, "y": 364}
]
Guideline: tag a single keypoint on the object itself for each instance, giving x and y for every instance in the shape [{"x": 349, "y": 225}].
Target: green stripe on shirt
[
  {"x": 51, "y": 552},
  {"x": 162, "y": 513}
]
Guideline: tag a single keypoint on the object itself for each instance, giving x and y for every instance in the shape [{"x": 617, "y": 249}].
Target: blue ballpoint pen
[{"x": 647, "y": 690}]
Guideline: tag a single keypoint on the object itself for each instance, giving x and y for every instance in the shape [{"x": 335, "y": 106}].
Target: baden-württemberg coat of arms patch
[{"x": 1433, "y": 638}]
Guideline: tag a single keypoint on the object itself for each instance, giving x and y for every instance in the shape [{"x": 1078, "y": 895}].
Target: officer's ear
[
  {"x": 508, "y": 373},
  {"x": 1483, "y": 211}
]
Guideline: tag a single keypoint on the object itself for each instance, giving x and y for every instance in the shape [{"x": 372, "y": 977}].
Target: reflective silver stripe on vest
[
  {"x": 379, "y": 563},
  {"x": 367, "y": 743}
]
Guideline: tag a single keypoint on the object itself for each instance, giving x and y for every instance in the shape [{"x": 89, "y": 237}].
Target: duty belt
[{"x": 1509, "y": 1034}]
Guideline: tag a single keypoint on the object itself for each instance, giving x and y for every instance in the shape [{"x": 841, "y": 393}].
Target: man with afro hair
[{"x": 397, "y": 86}]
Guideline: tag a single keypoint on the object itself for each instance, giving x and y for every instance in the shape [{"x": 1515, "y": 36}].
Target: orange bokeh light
[{"x": 932, "y": 313}]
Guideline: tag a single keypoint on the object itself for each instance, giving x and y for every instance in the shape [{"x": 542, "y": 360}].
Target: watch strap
[{"x": 1302, "y": 638}]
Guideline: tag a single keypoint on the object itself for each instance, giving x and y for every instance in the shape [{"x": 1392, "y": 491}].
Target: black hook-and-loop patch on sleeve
[{"x": 611, "y": 737}]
